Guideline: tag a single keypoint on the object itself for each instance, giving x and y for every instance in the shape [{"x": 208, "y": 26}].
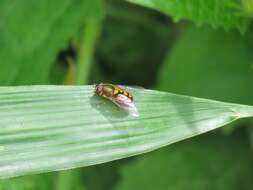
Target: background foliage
[{"x": 207, "y": 54}]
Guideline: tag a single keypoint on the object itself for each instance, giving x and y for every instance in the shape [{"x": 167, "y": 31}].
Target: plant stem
[{"x": 86, "y": 51}]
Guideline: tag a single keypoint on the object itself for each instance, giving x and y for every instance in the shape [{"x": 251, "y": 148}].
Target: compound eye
[{"x": 99, "y": 88}]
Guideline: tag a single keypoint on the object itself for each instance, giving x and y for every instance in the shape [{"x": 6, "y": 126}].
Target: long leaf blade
[{"x": 48, "y": 128}]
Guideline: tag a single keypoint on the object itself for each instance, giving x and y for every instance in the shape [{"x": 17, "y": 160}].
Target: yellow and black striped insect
[{"x": 117, "y": 95}]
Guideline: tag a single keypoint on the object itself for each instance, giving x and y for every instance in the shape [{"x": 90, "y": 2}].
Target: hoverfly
[{"x": 117, "y": 95}]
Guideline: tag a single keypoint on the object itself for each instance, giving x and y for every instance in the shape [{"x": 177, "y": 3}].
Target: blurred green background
[{"x": 197, "y": 48}]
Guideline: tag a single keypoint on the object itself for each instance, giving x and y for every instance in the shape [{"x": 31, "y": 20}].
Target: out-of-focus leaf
[
  {"x": 105, "y": 175},
  {"x": 31, "y": 182},
  {"x": 129, "y": 35},
  {"x": 207, "y": 162},
  {"x": 69, "y": 180},
  {"x": 33, "y": 32},
  {"x": 218, "y": 65},
  {"x": 248, "y": 7},
  {"x": 225, "y": 13},
  {"x": 63, "y": 180},
  {"x": 212, "y": 64},
  {"x": 47, "y": 128}
]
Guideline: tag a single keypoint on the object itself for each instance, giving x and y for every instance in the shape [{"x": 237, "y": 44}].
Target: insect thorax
[{"x": 108, "y": 91}]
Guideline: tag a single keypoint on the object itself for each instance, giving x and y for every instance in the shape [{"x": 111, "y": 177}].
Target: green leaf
[
  {"x": 218, "y": 65},
  {"x": 208, "y": 162},
  {"x": 32, "y": 33},
  {"x": 48, "y": 128},
  {"x": 221, "y": 70},
  {"x": 224, "y": 13},
  {"x": 69, "y": 180},
  {"x": 31, "y": 182},
  {"x": 248, "y": 7},
  {"x": 131, "y": 33}
]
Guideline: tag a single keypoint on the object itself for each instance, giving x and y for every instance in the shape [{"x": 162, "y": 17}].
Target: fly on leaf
[{"x": 117, "y": 95}]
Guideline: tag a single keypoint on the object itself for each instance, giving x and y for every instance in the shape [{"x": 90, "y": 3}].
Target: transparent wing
[
  {"x": 130, "y": 87},
  {"x": 126, "y": 104}
]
